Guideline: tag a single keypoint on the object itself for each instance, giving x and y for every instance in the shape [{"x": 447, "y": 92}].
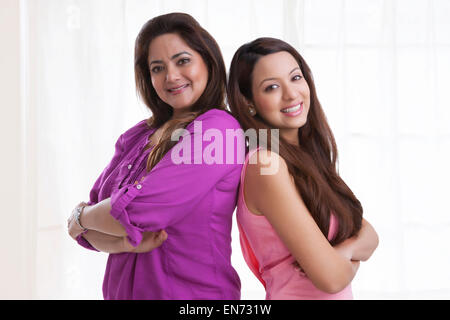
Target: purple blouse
[{"x": 194, "y": 203}]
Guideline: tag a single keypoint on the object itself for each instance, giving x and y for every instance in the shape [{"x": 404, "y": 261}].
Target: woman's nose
[
  {"x": 289, "y": 93},
  {"x": 172, "y": 74}
]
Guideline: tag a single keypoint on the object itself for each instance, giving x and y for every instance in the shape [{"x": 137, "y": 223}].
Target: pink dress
[{"x": 270, "y": 260}]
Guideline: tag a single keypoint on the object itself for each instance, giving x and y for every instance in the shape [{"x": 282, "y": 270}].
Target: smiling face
[
  {"x": 178, "y": 73},
  {"x": 280, "y": 93}
]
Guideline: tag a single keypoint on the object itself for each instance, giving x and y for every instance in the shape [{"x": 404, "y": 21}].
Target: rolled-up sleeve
[{"x": 171, "y": 191}]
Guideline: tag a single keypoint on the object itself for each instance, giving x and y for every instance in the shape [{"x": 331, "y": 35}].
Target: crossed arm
[
  {"x": 361, "y": 246},
  {"x": 331, "y": 269},
  {"x": 106, "y": 234}
]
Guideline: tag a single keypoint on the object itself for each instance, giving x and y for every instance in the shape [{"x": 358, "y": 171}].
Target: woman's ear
[{"x": 251, "y": 107}]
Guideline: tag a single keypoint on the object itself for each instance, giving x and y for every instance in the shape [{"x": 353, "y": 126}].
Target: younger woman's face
[
  {"x": 178, "y": 73},
  {"x": 281, "y": 93}
]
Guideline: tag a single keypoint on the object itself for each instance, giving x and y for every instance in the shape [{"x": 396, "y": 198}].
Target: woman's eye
[
  {"x": 271, "y": 87},
  {"x": 156, "y": 69},
  {"x": 297, "y": 77},
  {"x": 183, "y": 61}
]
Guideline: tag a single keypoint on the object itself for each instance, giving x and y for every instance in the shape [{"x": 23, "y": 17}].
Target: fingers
[
  {"x": 80, "y": 204},
  {"x": 73, "y": 229},
  {"x": 156, "y": 236},
  {"x": 151, "y": 240},
  {"x": 163, "y": 235},
  {"x": 69, "y": 220},
  {"x": 159, "y": 237}
]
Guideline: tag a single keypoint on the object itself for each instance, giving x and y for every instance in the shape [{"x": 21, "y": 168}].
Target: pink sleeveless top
[{"x": 270, "y": 260}]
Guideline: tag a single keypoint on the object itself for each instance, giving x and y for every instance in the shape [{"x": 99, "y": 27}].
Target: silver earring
[{"x": 252, "y": 111}]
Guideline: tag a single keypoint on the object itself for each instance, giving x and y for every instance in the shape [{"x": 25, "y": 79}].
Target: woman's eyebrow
[
  {"x": 179, "y": 54},
  {"x": 267, "y": 79},
  {"x": 173, "y": 57}
]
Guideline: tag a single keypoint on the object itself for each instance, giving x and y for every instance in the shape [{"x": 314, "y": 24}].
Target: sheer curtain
[{"x": 381, "y": 69}]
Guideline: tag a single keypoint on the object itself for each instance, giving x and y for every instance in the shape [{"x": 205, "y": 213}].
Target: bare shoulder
[
  {"x": 266, "y": 173},
  {"x": 267, "y": 165}
]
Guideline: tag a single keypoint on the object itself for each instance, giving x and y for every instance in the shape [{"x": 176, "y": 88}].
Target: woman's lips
[
  {"x": 293, "y": 111},
  {"x": 177, "y": 90}
]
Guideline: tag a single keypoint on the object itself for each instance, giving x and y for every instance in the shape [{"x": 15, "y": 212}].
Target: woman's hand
[
  {"x": 150, "y": 241},
  {"x": 345, "y": 248},
  {"x": 361, "y": 246},
  {"x": 73, "y": 227}
]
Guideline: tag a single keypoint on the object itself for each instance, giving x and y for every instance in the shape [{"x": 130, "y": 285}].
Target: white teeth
[
  {"x": 293, "y": 109},
  {"x": 175, "y": 89}
]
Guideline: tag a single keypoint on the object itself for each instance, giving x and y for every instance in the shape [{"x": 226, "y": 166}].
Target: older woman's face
[{"x": 178, "y": 73}]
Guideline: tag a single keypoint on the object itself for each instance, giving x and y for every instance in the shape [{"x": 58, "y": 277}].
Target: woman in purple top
[{"x": 167, "y": 222}]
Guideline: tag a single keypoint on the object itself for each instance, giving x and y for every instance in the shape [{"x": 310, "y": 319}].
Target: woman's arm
[
  {"x": 361, "y": 246},
  {"x": 98, "y": 218},
  {"x": 111, "y": 244},
  {"x": 275, "y": 196},
  {"x": 114, "y": 241},
  {"x": 105, "y": 242}
]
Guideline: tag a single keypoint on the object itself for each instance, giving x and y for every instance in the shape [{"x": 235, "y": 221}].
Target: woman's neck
[
  {"x": 177, "y": 114},
  {"x": 291, "y": 136}
]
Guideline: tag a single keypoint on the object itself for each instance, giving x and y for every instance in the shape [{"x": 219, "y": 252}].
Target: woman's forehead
[
  {"x": 167, "y": 45},
  {"x": 277, "y": 64},
  {"x": 274, "y": 66}
]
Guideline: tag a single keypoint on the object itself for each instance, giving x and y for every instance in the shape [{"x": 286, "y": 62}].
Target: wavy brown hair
[
  {"x": 197, "y": 39},
  {"x": 313, "y": 162}
]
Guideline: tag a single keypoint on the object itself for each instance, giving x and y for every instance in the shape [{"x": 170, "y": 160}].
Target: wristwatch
[{"x": 78, "y": 213}]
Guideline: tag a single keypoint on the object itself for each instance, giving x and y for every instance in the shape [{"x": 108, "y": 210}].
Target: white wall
[{"x": 16, "y": 242}]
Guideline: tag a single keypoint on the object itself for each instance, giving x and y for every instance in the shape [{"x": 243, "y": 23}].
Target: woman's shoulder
[
  {"x": 137, "y": 130},
  {"x": 260, "y": 161},
  {"x": 265, "y": 168},
  {"x": 266, "y": 175}
]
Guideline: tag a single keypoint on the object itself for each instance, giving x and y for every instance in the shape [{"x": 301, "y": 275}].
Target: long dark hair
[
  {"x": 214, "y": 95},
  {"x": 313, "y": 163}
]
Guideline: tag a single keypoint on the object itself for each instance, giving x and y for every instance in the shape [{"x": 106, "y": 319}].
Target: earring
[{"x": 252, "y": 111}]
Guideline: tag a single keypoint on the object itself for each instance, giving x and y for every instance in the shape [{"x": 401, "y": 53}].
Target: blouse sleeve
[
  {"x": 93, "y": 195},
  {"x": 171, "y": 191}
]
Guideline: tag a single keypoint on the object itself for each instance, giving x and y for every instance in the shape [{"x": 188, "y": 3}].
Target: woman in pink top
[{"x": 301, "y": 227}]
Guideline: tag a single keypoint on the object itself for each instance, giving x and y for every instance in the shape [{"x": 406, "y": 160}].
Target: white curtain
[{"x": 382, "y": 71}]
